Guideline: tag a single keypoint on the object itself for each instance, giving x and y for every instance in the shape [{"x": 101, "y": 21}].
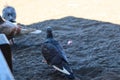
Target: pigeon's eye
[{"x": 9, "y": 14}]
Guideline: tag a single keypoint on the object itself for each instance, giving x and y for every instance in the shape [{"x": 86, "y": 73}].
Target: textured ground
[{"x": 93, "y": 55}]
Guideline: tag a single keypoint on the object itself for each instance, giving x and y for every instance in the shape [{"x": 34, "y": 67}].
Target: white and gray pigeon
[{"x": 54, "y": 55}]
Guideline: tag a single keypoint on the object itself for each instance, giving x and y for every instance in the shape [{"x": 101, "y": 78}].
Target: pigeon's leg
[{"x": 11, "y": 41}]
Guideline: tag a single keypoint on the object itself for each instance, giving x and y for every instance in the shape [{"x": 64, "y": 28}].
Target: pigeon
[
  {"x": 54, "y": 55},
  {"x": 9, "y": 13}
]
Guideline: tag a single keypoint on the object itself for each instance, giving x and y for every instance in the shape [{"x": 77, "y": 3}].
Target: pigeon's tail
[
  {"x": 49, "y": 32},
  {"x": 71, "y": 74},
  {"x": 65, "y": 68}
]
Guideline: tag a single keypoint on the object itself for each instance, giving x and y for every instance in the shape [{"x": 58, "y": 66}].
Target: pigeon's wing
[
  {"x": 60, "y": 49},
  {"x": 60, "y": 63},
  {"x": 54, "y": 58},
  {"x": 58, "y": 46},
  {"x": 51, "y": 54},
  {"x": 48, "y": 52}
]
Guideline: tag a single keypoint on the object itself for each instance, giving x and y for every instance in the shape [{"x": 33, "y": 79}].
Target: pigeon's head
[
  {"x": 9, "y": 13},
  {"x": 49, "y": 29},
  {"x": 49, "y": 32}
]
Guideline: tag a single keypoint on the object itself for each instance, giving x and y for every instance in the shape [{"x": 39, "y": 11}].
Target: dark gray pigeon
[{"x": 55, "y": 56}]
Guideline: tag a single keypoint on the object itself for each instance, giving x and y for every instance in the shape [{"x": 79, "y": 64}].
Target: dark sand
[{"x": 93, "y": 55}]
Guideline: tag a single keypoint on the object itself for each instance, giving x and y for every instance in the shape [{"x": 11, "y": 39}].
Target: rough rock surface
[{"x": 93, "y": 55}]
